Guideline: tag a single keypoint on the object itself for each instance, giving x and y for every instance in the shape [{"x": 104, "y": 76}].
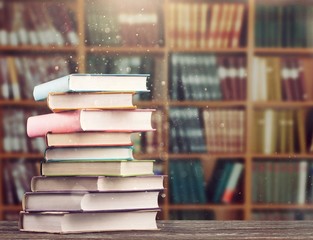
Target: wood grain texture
[{"x": 185, "y": 230}]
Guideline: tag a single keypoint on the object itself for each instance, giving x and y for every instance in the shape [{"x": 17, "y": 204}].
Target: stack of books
[{"x": 89, "y": 179}]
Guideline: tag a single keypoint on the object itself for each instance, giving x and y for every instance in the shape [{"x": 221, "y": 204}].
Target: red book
[
  {"x": 223, "y": 75},
  {"x": 286, "y": 80}
]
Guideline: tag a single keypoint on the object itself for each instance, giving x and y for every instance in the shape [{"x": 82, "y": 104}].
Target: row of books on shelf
[
  {"x": 212, "y": 130},
  {"x": 286, "y": 25},
  {"x": 207, "y": 77},
  {"x": 281, "y": 78},
  {"x": 282, "y": 131},
  {"x": 19, "y": 75},
  {"x": 17, "y": 175},
  {"x": 206, "y": 25},
  {"x": 282, "y": 181},
  {"x": 37, "y": 24},
  {"x": 187, "y": 182},
  {"x": 129, "y": 24}
]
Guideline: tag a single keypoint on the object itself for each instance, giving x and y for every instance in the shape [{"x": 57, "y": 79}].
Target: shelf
[
  {"x": 28, "y": 156},
  {"x": 126, "y": 50},
  {"x": 283, "y": 104},
  {"x": 207, "y": 104},
  {"x": 206, "y": 207},
  {"x": 284, "y": 51},
  {"x": 38, "y": 49},
  {"x": 210, "y": 50},
  {"x": 187, "y": 156},
  {"x": 275, "y": 206},
  {"x": 22, "y": 103},
  {"x": 284, "y": 156}
]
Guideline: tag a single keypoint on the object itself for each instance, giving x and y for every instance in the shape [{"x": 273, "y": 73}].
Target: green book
[{"x": 222, "y": 182}]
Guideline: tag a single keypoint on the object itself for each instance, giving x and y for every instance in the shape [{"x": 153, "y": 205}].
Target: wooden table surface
[{"x": 185, "y": 230}]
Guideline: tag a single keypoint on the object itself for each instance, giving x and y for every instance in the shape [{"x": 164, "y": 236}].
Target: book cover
[
  {"x": 92, "y": 83},
  {"x": 87, "y": 201},
  {"x": 77, "y": 222},
  {"x": 61, "y": 154},
  {"x": 59, "y": 102},
  {"x": 96, "y": 183},
  {"x": 90, "y": 138},
  {"x": 104, "y": 168},
  {"x": 90, "y": 120}
]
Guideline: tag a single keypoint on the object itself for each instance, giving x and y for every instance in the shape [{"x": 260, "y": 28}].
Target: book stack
[{"x": 89, "y": 178}]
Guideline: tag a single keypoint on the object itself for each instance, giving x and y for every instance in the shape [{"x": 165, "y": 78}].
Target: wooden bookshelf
[{"x": 248, "y": 49}]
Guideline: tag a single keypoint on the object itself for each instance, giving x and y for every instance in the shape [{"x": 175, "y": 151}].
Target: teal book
[
  {"x": 88, "y": 153},
  {"x": 199, "y": 182},
  {"x": 92, "y": 83},
  {"x": 174, "y": 183},
  {"x": 222, "y": 182}
]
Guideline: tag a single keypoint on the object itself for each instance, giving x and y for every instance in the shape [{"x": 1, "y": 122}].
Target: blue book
[
  {"x": 89, "y": 153},
  {"x": 92, "y": 83}
]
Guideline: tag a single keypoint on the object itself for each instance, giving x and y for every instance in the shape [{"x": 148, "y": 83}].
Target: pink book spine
[{"x": 40, "y": 125}]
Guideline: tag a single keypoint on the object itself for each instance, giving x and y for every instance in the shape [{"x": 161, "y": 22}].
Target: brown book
[
  {"x": 286, "y": 80},
  {"x": 306, "y": 64},
  {"x": 300, "y": 125},
  {"x": 214, "y": 23},
  {"x": 223, "y": 77},
  {"x": 238, "y": 25}
]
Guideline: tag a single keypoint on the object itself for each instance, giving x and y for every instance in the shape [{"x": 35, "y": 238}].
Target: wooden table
[{"x": 186, "y": 230}]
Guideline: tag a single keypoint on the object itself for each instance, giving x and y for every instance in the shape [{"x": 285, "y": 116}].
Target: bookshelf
[{"x": 89, "y": 54}]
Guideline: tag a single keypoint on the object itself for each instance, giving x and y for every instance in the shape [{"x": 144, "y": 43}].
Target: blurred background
[{"x": 231, "y": 82}]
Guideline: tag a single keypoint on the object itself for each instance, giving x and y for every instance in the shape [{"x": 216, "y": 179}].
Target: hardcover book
[
  {"x": 80, "y": 139},
  {"x": 89, "y": 201},
  {"x": 92, "y": 83},
  {"x": 90, "y": 120},
  {"x": 78, "y": 222},
  {"x": 59, "y": 102},
  {"x": 60, "y": 154},
  {"x": 104, "y": 168},
  {"x": 96, "y": 183}
]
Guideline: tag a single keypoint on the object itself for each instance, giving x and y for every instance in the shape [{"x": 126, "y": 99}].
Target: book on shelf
[
  {"x": 90, "y": 120},
  {"x": 281, "y": 181},
  {"x": 213, "y": 25},
  {"x": 89, "y": 201},
  {"x": 96, "y": 183},
  {"x": 35, "y": 24},
  {"x": 92, "y": 83},
  {"x": 289, "y": 20},
  {"x": 186, "y": 181},
  {"x": 232, "y": 182},
  {"x": 58, "y": 102},
  {"x": 61, "y": 154},
  {"x": 225, "y": 129},
  {"x": 105, "y": 168},
  {"x": 78, "y": 222},
  {"x": 90, "y": 138}
]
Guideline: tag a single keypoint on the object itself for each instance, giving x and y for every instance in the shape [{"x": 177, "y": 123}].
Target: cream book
[
  {"x": 78, "y": 222},
  {"x": 88, "y": 201}
]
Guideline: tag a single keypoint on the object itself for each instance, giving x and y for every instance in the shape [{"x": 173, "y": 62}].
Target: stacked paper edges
[{"x": 89, "y": 180}]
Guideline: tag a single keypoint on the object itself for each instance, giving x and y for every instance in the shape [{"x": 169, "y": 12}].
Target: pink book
[{"x": 90, "y": 120}]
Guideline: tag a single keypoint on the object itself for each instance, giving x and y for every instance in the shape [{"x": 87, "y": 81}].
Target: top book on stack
[{"x": 93, "y": 83}]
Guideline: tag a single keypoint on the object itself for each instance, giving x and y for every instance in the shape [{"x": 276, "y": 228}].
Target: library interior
[{"x": 230, "y": 84}]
